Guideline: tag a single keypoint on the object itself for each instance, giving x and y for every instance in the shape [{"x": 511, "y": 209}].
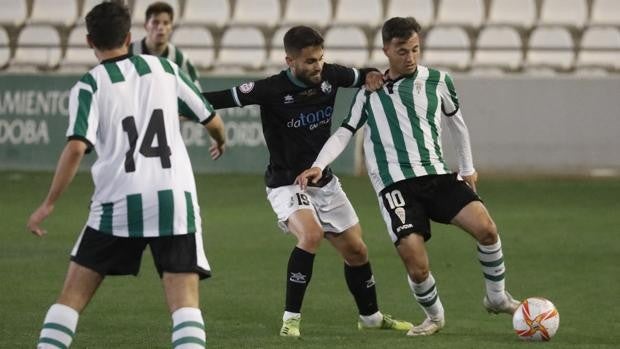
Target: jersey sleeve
[
  {"x": 357, "y": 116},
  {"x": 342, "y": 76},
  {"x": 83, "y": 111},
  {"x": 190, "y": 102},
  {"x": 449, "y": 98},
  {"x": 253, "y": 92}
]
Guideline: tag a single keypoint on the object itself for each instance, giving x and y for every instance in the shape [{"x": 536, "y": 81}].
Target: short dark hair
[
  {"x": 157, "y": 8},
  {"x": 108, "y": 25},
  {"x": 300, "y": 37},
  {"x": 399, "y": 27}
]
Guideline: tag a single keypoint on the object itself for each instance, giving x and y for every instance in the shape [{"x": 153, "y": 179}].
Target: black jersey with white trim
[{"x": 296, "y": 117}]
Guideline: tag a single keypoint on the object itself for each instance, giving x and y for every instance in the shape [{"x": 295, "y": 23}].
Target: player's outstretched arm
[
  {"x": 215, "y": 128},
  {"x": 65, "y": 171}
]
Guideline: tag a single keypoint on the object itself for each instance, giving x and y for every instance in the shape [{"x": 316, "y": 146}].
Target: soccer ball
[{"x": 536, "y": 319}]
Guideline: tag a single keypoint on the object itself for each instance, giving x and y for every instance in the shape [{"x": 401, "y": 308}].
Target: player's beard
[{"x": 308, "y": 81}]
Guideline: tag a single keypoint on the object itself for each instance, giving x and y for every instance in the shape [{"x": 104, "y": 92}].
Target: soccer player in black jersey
[{"x": 296, "y": 112}]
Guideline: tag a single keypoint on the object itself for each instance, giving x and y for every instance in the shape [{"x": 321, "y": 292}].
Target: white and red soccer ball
[{"x": 536, "y": 319}]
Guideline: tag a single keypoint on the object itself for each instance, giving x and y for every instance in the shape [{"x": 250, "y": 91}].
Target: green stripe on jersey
[
  {"x": 105, "y": 225},
  {"x": 114, "y": 72},
  {"x": 166, "y": 212},
  {"x": 135, "y": 221},
  {"x": 453, "y": 95},
  {"x": 140, "y": 64},
  {"x": 405, "y": 91},
  {"x": 178, "y": 57},
  {"x": 85, "y": 99},
  {"x": 186, "y": 111},
  {"x": 166, "y": 65},
  {"x": 431, "y": 109},
  {"x": 379, "y": 151},
  {"x": 191, "y": 217},
  {"x": 190, "y": 83},
  {"x": 192, "y": 71},
  {"x": 89, "y": 80},
  {"x": 400, "y": 147}
]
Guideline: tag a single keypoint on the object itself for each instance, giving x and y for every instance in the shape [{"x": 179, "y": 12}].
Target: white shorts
[{"x": 329, "y": 203}]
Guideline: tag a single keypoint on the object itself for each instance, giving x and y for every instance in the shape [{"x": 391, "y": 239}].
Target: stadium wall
[{"x": 559, "y": 125}]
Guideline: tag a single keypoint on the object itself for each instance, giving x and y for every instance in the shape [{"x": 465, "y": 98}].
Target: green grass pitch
[{"x": 561, "y": 240}]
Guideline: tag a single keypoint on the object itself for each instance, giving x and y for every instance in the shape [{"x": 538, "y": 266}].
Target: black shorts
[
  {"x": 113, "y": 255},
  {"x": 410, "y": 204}
]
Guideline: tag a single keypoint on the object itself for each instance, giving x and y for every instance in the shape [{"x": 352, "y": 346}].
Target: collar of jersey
[
  {"x": 405, "y": 76},
  {"x": 116, "y": 59},
  {"x": 295, "y": 80},
  {"x": 145, "y": 49}
]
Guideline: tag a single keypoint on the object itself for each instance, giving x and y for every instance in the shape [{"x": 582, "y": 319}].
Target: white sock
[
  {"x": 425, "y": 293},
  {"x": 58, "y": 327},
  {"x": 492, "y": 262},
  {"x": 288, "y": 315},
  {"x": 374, "y": 320},
  {"x": 188, "y": 329}
]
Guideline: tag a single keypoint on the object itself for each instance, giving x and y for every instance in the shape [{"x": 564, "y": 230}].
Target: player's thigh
[
  {"x": 294, "y": 209},
  {"x": 475, "y": 219},
  {"x": 181, "y": 290},
  {"x": 333, "y": 208},
  {"x": 350, "y": 245},
  {"x": 403, "y": 213},
  {"x": 79, "y": 287}
]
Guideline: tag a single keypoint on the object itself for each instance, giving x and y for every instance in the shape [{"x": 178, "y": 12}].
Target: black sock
[
  {"x": 298, "y": 276},
  {"x": 361, "y": 283}
]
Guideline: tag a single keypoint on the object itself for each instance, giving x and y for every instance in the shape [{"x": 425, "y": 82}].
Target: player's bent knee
[
  {"x": 487, "y": 235},
  {"x": 419, "y": 275}
]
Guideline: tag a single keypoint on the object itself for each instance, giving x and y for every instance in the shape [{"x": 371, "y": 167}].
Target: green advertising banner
[{"x": 34, "y": 116}]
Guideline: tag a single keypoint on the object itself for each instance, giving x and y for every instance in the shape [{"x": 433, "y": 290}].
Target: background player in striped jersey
[
  {"x": 402, "y": 146},
  {"x": 126, "y": 109},
  {"x": 296, "y": 111},
  {"x": 159, "y": 20}
]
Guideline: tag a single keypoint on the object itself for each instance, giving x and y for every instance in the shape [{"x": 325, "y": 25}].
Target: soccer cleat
[
  {"x": 427, "y": 327},
  {"x": 290, "y": 328},
  {"x": 508, "y": 306},
  {"x": 387, "y": 324}
]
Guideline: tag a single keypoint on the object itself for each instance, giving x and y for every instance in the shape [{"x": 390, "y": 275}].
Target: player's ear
[
  {"x": 289, "y": 61},
  {"x": 127, "y": 40}
]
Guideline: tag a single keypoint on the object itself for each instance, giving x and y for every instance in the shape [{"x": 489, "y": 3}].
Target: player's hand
[
  {"x": 471, "y": 180},
  {"x": 37, "y": 217},
  {"x": 216, "y": 150},
  {"x": 374, "y": 81},
  {"x": 313, "y": 174}
]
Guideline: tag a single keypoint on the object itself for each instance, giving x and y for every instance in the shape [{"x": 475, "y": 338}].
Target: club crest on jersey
[
  {"x": 247, "y": 87},
  {"x": 418, "y": 87},
  {"x": 288, "y": 99},
  {"x": 326, "y": 87}
]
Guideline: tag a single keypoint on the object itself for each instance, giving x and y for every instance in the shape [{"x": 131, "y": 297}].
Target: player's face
[
  {"x": 403, "y": 55},
  {"x": 307, "y": 65},
  {"x": 159, "y": 28}
]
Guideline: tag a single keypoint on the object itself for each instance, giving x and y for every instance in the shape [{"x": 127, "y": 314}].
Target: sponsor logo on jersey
[
  {"x": 247, "y": 87},
  {"x": 326, "y": 87},
  {"x": 288, "y": 99},
  {"x": 312, "y": 120}
]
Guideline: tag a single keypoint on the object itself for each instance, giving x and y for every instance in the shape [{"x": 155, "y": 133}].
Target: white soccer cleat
[
  {"x": 427, "y": 327},
  {"x": 290, "y": 328},
  {"x": 508, "y": 306}
]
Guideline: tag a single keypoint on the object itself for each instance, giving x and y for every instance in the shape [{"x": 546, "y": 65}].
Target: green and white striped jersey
[
  {"x": 128, "y": 110},
  {"x": 172, "y": 53},
  {"x": 403, "y": 125}
]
